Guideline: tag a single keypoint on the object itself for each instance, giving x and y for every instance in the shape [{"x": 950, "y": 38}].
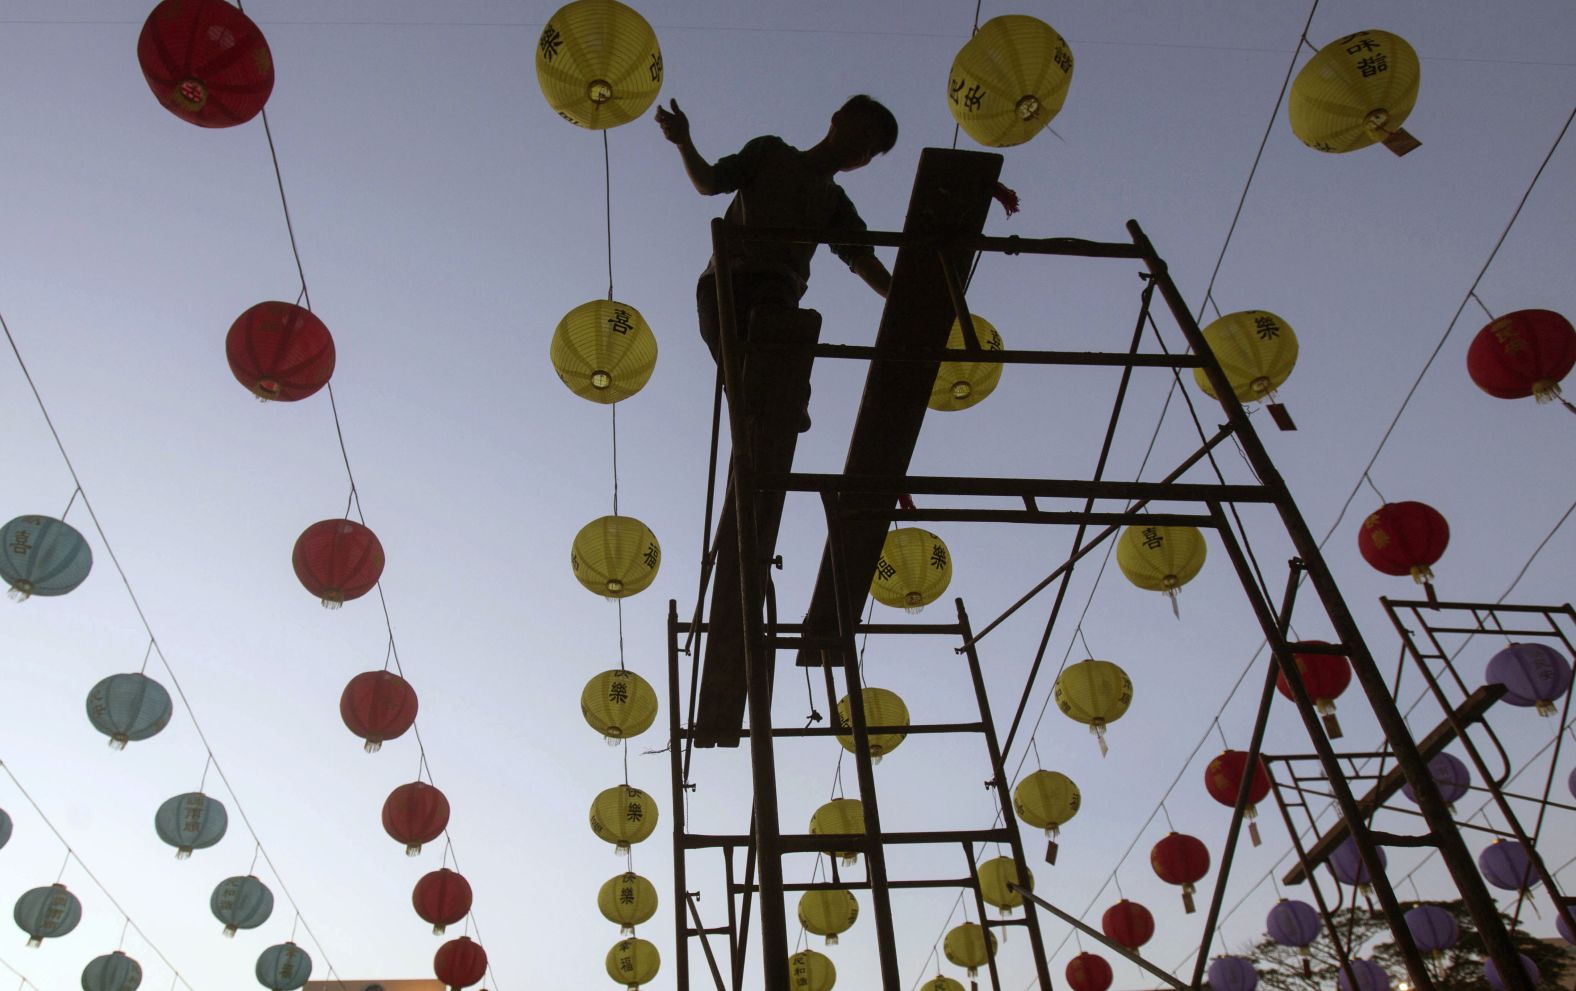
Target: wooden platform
[{"x": 951, "y": 198}]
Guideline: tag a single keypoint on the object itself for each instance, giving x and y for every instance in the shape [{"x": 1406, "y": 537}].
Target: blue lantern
[
  {"x": 1449, "y": 774},
  {"x": 5, "y": 828},
  {"x": 241, "y": 903},
  {"x": 1347, "y": 865},
  {"x": 192, "y": 821},
  {"x": 112, "y": 972},
  {"x": 1496, "y": 982},
  {"x": 42, "y": 556},
  {"x": 283, "y": 967},
  {"x": 1433, "y": 928},
  {"x": 1232, "y": 974},
  {"x": 1533, "y": 675},
  {"x": 1370, "y": 977},
  {"x": 1505, "y": 864},
  {"x": 44, "y": 913},
  {"x": 127, "y": 707},
  {"x": 1294, "y": 923}
]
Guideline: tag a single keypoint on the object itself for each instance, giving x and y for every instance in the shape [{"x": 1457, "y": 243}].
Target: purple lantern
[
  {"x": 1449, "y": 774},
  {"x": 1563, "y": 922},
  {"x": 1232, "y": 974},
  {"x": 1570, "y": 782},
  {"x": 1532, "y": 675},
  {"x": 1293, "y": 923},
  {"x": 1433, "y": 928},
  {"x": 1505, "y": 864},
  {"x": 1348, "y": 866},
  {"x": 1370, "y": 977},
  {"x": 1492, "y": 972}
]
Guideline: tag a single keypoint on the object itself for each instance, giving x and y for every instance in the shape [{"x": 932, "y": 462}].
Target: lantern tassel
[
  {"x": 118, "y": 742},
  {"x": 229, "y": 932},
  {"x": 438, "y": 928},
  {"x": 36, "y": 941},
  {"x": 831, "y": 938},
  {"x": 412, "y": 849},
  {"x": 850, "y": 859},
  {"x": 1187, "y": 899},
  {"x": 1332, "y": 726},
  {"x": 1282, "y": 418},
  {"x": 1051, "y": 847},
  {"x": 19, "y": 594},
  {"x": 1171, "y": 593},
  {"x": 1545, "y": 707},
  {"x": 1098, "y": 729},
  {"x": 333, "y": 604},
  {"x": 1546, "y": 391},
  {"x": 1253, "y": 833},
  {"x": 372, "y": 746},
  {"x": 183, "y": 853},
  {"x": 626, "y": 930}
]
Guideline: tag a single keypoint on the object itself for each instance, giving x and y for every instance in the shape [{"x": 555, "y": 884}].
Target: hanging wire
[{"x": 607, "y": 190}]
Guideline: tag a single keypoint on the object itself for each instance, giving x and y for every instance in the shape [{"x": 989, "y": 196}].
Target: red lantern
[
  {"x": 1088, "y": 972},
  {"x": 280, "y": 351},
  {"x": 442, "y": 898},
  {"x": 206, "y": 62},
  {"x": 1405, "y": 538},
  {"x": 460, "y": 963},
  {"x": 414, "y": 814},
  {"x": 1180, "y": 859},
  {"x": 338, "y": 560},
  {"x": 1223, "y": 779},
  {"x": 1127, "y": 924},
  {"x": 1524, "y": 353},
  {"x": 378, "y": 706},
  {"x": 1325, "y": 676}
]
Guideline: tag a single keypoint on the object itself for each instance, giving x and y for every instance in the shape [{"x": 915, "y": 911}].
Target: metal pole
[{"x": 676, "y": 762}]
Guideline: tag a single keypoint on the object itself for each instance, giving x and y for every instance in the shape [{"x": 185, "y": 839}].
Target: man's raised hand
[{"x": 675, "y": 126}]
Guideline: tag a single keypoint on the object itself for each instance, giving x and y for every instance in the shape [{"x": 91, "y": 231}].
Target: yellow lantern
[
  {"x": 941, "y": 983},
  {"x": 1046, "y": 799},
  {"x": 1354, "y": 92},
  {"x": 828, "y": 912},
  {"x": 622, "y": 816},
  {"x": 603, "y": 351},
  {"x": 615, "y": 556},
  {"x": 1009, "y": 80},
  {"x": 839, "y": 817},
  {"x": 811, "y": 971},
  {"x": 619, "y": 704},
  {"x": 882, "y": 708},
  {"x": 969, "y": 945},
  {"x": 1094, "y": 692},
  {"x": 598, "y": 64},
  {"x": 995, "y": 874},
  {"x": 914, "y": 569},
  {"x": 1256, "y": 349},
  {"x": 633, "y": 962},
  {"x": 1161, "y": 558},
  {"x": 961, "y": 384},
  {"x": 627, "y": 900}
]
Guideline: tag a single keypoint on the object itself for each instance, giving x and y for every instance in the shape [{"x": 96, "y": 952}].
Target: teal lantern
[
  {"x": 128, "y": 707},
  {"x": 44, "y": 913},
  {"x": 42, "y": 556},
  {"x": 241, "y": 903},
  {"x": 283, "y": 967},
  {"x": 112, "y": 972},
  {"x": 192, "y": 821},
  {"x": 5, "y": 828}
]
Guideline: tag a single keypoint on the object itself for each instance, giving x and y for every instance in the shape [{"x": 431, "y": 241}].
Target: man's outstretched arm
[
  {"x": 675, "y": 127},
  {"x": 875, "y": 274}
]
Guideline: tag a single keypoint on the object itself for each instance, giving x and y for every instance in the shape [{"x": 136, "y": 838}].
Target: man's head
[{"x": 861, "y": 129}]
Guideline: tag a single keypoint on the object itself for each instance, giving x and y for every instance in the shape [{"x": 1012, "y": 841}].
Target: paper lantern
[
  {"x": 1370, "y": 977},
  {"x": 1495, "y": 981},
  {"x": 1432, "y": 928},
  {"x": 1404, "y": 538},
  {"x": 828, "y": 912},
  {"x": 840, "y": 817},
  {"x": 627, "y": 900},
  {"x": 1223, "y": 779},
  {"x": 623, "y": 816},
  {"x": 1095, "y": 693},
  {"x": 811, "y": 971},
  {"x": 126, "y": 707},
  {"x": 1232, "y": 974},
  {"x": 1089, "y": 972},
  {"x": 598, "y": 64},
  {"x": 459, "y": 963},
  {"x": 42, "y": 556},
  {"x": 1324, "y": 677},
  {"x": 633, "y": 962},
  {"x": 1295, "y": 924},
  {"x": 995, "y": 875},
  {"x": 882, "y": 708},
  {"x": 604, "y": 351},
  {"x": 618, "y": 704},
  {"x": 241, "y": 903},
  {"x": 1354, "y": 92},
  {"x": 1009, "y": 80},
  {"x": 207, "y": 63},
  {"x": 47, "y": 913},
  {"x": 1183, "y": 860},
  {"x": 969, "y": 945},
  {"x": 338, "y": 560},
  {"x": 1046, "y": 800},
  {"x": 1525, "y": 353},
  {"x": 192, "y": 821},
  {"x": 5, "y": 828},
  {"x": 112, "y": 972},
  {"x": 1128, "y": 924},
  {"x": 280, "y": 351},
  {"x": 1565, "y": 922},
  {"x": 441, "y": 898},
  {"x": 914, "y": 569},
  {"x": 1346, "y": 863},
  {"x": 1161, "y": 558},
  {"x": 283, "y": 967},
  {"x": 615, "y": 556},
  {"x": 1505, "y": 864},
  {"x": 415, "y": 813},
  {"x": 941, "y": 983},
  {"x": 1449, "y": 774},
  {"x": 1533, "y": 674},
  {"x": 1256, "y": 349},
  {"x": 961, "y": 384},
  {"x": 378, "y": 706}
]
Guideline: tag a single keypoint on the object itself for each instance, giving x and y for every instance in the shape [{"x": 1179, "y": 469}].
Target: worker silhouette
[{"x": 777, "y": 185}]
